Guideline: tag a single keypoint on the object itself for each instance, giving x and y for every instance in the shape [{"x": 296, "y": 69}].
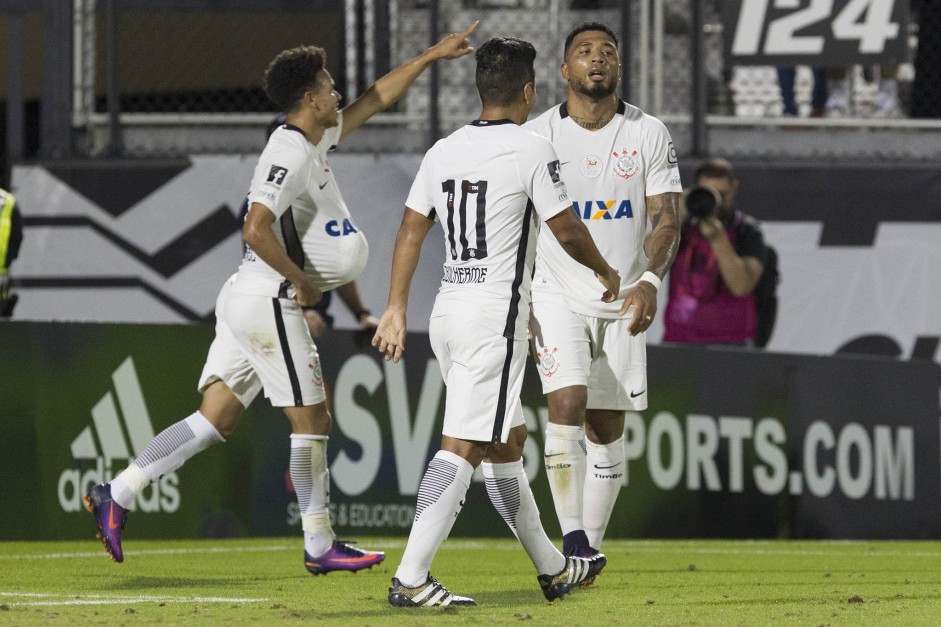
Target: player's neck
[
  {"x": 589, "y": 113},
  {"x": 503, "y": 113},
  {"x": 312, "y": 130}
]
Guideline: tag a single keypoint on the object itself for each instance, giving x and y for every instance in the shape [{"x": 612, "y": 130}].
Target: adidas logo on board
[{"x": 108, "y": 439}]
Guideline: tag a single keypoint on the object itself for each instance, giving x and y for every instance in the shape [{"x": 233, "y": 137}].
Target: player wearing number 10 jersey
[
  {"x": 488, "y": 184},
  {"x": 622, "y": 175}
]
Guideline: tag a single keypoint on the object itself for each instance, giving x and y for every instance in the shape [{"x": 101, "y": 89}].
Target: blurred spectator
[
  {"x": 886, "y": 102},
  {"x": 11, "y": 235},
  {"x": 838, "y": 97},
  {"x": 818, "y": 98},
  {"x": 720, "y": 260}
]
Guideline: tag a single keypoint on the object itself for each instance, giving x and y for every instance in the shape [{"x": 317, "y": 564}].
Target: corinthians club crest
[
  {"x": 547, "y": 361},
  {"x": 626, "y": 163}
]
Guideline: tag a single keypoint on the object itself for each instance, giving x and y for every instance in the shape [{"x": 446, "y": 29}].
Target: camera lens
[{"x": 702, "y": 202}]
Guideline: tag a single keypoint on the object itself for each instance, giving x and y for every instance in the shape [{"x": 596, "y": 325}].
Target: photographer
[{"x": 719, "y": 262}]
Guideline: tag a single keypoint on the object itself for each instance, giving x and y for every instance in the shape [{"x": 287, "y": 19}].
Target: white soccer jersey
[
  {"x": 482, "y": 183},
  {"x": 608, "y": 173},
  {"x": 293, "y": 179}
]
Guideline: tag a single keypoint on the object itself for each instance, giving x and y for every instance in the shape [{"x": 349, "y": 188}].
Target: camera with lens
[{"x": 702, "y": 202}]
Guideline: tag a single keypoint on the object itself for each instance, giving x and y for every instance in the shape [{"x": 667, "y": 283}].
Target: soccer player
[
  {"x": 301, "y": 241},
  {"x": 491, "y": 185},
  {"x": 620, "y": 168}
]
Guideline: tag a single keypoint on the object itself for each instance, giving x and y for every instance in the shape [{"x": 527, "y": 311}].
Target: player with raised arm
[
  {"x": 621, "y": 171},
  {"x": 491, "y": 185},
  {"x": 301, "y": 241}
]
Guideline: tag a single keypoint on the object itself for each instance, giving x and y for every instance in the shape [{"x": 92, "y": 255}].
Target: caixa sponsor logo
[
  {"x": 93, "y": 463},
  {"x": 603, "y": 209},
  {"x": 852, "y": 460},
  {"x": 335, "y": 228}
]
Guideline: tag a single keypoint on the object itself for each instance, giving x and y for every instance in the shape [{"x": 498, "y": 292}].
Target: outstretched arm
[
  {"x": 390, "y": 335},
  {"x": 385, "y": 91},
  {"x": 661, "y": 246}
]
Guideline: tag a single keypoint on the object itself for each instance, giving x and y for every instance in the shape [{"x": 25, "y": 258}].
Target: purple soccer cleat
[
  {"x": 110, "y": 517},
  {"x": 342, "y": 556}
]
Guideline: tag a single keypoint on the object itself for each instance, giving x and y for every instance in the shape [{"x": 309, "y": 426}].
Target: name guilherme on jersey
[{"x": 464, "y": 275}]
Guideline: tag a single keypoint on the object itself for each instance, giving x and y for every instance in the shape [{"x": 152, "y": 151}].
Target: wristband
[
  {"x": 359, "y": 313},
  {"x": 651, "y": 278}
]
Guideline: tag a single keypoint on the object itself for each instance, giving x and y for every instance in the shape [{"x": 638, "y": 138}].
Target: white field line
[
  {"x": 99, "y": 599},
  {"x": 194, "y": 551},
  {"x": 859, "y": 548},
  {"x": 863, "y": 552}
]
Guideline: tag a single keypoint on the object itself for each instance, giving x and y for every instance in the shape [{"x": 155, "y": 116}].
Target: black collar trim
[
  {"x": 492, "y": 122},
  {"x": 291, "y": 127},
  {"x": 564, "y": 109}
]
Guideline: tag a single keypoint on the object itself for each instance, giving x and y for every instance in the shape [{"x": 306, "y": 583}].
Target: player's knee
[
  {"x": 604, "y": 427},
  {"x": 511, "y": 450},
  {"x": 567, "y": 406}
]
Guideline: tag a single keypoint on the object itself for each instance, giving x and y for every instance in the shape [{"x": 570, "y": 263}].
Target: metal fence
[{"x": 164, "y": 78}]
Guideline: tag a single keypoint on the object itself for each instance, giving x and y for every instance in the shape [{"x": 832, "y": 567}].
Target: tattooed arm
[
  {"x": 664, "y": 239},
  {"x": 661, "y": 246}
]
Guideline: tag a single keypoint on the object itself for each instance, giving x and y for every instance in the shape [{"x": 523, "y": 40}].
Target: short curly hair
[
  {"x": 587, "y": 26},
  {"x": 292, "y": 73}
]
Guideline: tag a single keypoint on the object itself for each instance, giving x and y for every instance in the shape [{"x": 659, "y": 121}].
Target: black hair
[
  {"x": 581, "y": 28},
  {"x": 504, "y": 66},
  {"x": 292, "y": 73}
]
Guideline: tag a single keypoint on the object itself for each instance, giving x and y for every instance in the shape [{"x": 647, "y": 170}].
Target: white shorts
[
  {"x": 574, "y": 349},
  {"x": 263, "y": 341},
  {"x": 483, "y": 372}
]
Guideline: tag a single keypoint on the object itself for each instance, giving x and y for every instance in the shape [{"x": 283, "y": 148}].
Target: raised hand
[{"x": 454, "y": 45}]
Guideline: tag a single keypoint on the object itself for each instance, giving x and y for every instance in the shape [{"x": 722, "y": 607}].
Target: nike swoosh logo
[
  {"x": 635, "y": 395},
  {"x": 324, "y": 185},
  {"x": 548, "y": 455},
  {"x": 111, "y": 523},
  {"x": 564, "y": 162},
  {"x": 597, "y": 467}
]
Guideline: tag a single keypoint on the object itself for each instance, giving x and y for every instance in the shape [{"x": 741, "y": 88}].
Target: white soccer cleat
[{"x": 429, "y": 594}]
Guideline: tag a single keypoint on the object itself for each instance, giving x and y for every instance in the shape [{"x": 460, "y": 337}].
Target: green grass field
[{"x": 261, "y": 581}]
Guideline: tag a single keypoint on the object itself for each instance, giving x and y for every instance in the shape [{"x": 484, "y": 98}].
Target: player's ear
[
  {"x": 529, "y": 92},
  {"x": 309, "y": 99},
  {"x": 565, "y": 71}
]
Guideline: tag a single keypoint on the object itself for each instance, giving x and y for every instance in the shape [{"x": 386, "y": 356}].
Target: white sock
[
  {"x": 564, "y": 457},
  {"x": 511, "y": 495},
  {"x": 166, "y": 452},
  {"x": 311, "y": 481},
  {"x": 440, "y": 499},
  {"x": 602, "y": 485}
]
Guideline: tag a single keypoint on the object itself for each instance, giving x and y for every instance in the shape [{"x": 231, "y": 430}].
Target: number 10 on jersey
[
  {"x": 837, "y": 32},
  {"x": 459, "y": 237}
]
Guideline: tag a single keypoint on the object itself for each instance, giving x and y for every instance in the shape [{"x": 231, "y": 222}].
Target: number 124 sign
[{"x": 815, "y": 32}]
